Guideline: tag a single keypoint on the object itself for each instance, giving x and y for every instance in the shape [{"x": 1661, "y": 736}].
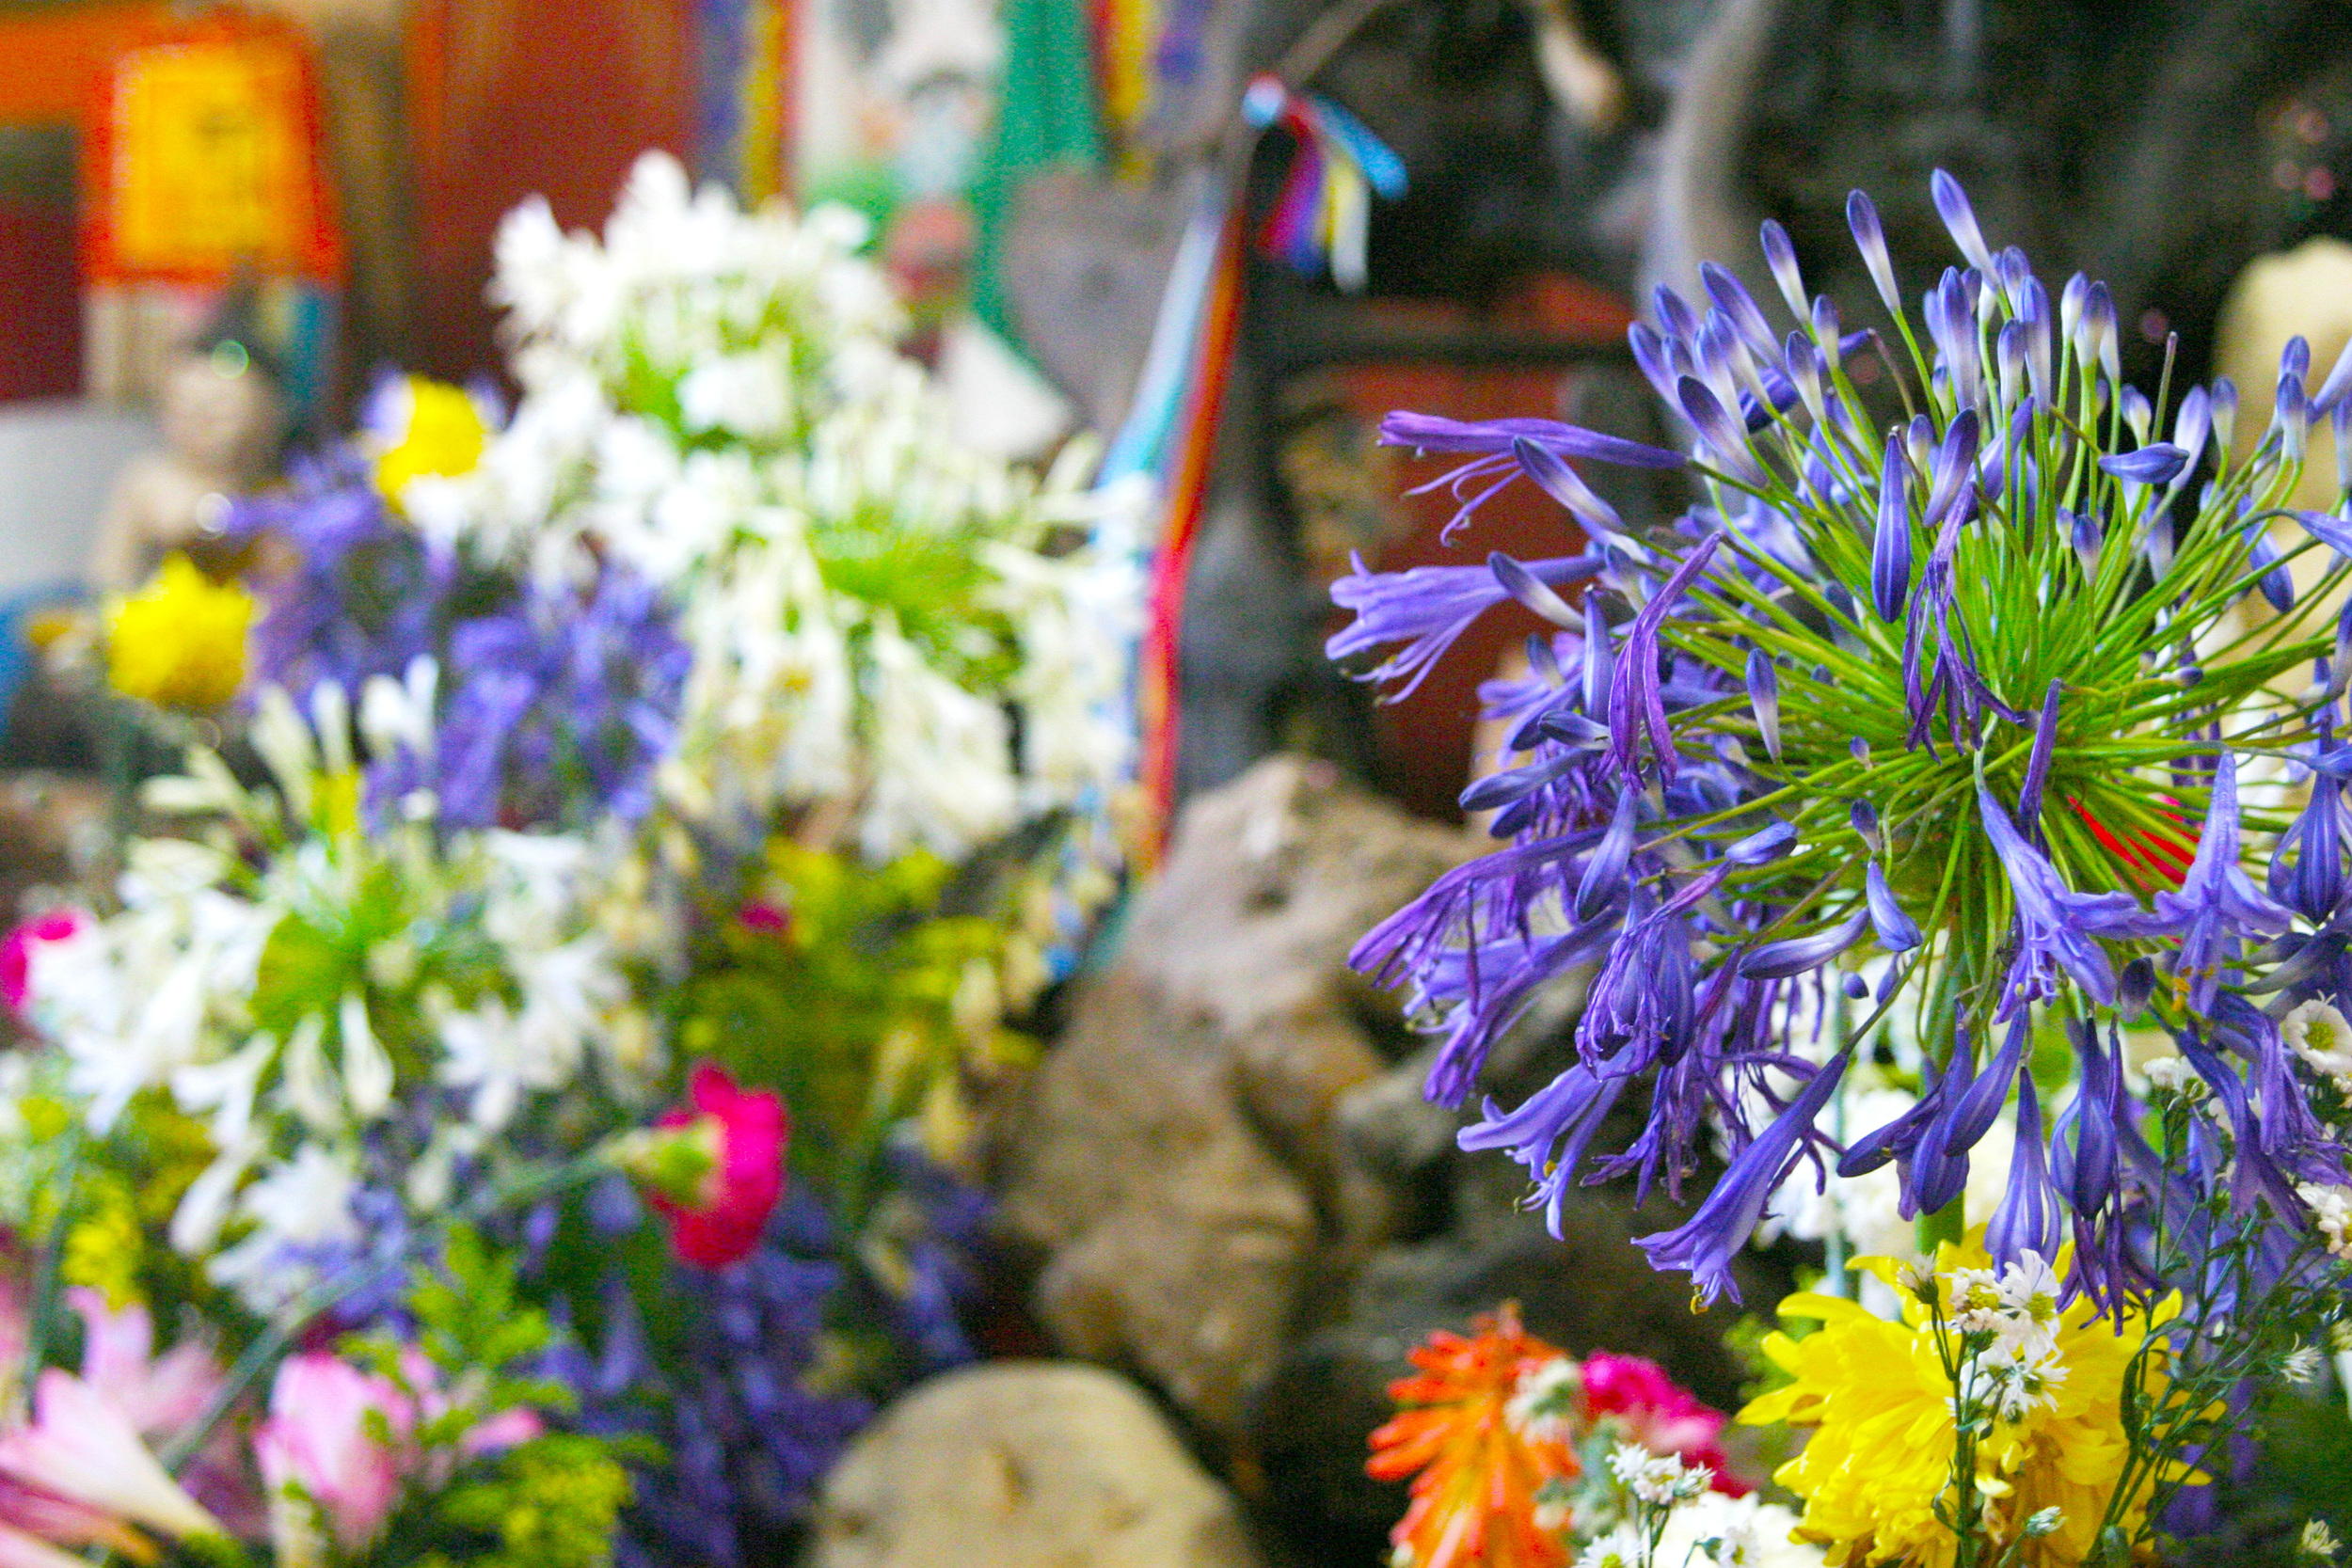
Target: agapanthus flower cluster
[
  {"x": 1520, "y": 1454},
  {"x": 901, "y": 639},
  {"x": 346, "y": 1012},
  {"x": 521, "y": 702},
  {"x": 1983, "y": 699}
]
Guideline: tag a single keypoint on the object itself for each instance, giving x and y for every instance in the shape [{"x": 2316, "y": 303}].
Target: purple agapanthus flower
[
  {"x": 364, "y": 593},
  {"x": 562, "y": 701},
  {"x": 2057, "y": 926},
  {"x": 2217, "y": 905}
]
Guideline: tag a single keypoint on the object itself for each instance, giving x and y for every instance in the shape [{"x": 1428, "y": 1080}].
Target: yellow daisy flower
[
  {"x": 443, "y": 435},
  {"x": 1879, "y": 1402},
  {"x": 180, "y": 641}
]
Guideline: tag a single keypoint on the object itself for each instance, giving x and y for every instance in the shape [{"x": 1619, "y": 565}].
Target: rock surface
[
  {"x": 1024, "y": 1465},
  {"x": 1173, "y": 1168}
]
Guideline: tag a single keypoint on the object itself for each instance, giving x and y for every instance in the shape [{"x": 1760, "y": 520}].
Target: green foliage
[
  {"x": 870, "y": 1005},
  {"x": 553, "y": 1502}
]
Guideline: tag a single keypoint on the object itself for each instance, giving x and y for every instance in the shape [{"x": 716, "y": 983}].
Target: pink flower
[
  {"x": 161, "y": 1398},
  {"x": 741, "y": 1176},
  {"x": 316, "y": 1441},
  {"x": 764, "y": 918},
  {"x": 1659, "y": 1414},
  {"x": 16, "y": 951},
  {"x": 80, "y": 1448}
]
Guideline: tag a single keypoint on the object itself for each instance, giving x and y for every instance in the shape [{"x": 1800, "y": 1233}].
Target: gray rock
[
  {"x": 1024, "y": 1465},
  {"x": 1171, "y": 1168}
]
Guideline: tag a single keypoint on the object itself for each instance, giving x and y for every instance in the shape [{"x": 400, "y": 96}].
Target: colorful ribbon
[{"x": 1324, "y": 211}]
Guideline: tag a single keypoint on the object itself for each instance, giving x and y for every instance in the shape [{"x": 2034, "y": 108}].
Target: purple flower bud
[
  {"x": 1825, "y": 330},
  {"x": 2150, "y": 465},
  {"x": 2088, "y": 1181},
  {"x": 1731, "y": 296},
  {"x": 2099, "y": 325},
  {"x": 2332, "y": 531},
  {"x": 2038, "y": 761},
  {"x": 2276, "y": 583},
  {"x": 2012, "y": 271},
  {"x": 1859, "y": 750},
  {"x": 1724, "y": 437},
  {"x": 2193, "y": 422},
  {"x": 2291, "y": 419},
  {"x": 1764, "y": 697},
  {"x": 1781, "y": 257},
  {"x": 2224, "y": 412},
  {"x": 1600, "y": 662},
  {"x": 1951, "y": 204},
  {"x": 2295, "y": 360},
  {"x": 1676, "y": 318},
  {"x": 1856, "y": 988},
  {"x": 1897, "y": 1138},
  {"x": 1790, "y": 956},
  {"x": 1804, "y": 373},
  {"x": 1763, "y": 845},
  {"x": 2137, "y": 416},
  {"x": 2137, "y": 986},
  {"x": 1650, "y": 355},
  {"x": 2332, "y": 391},
  {"x": 1563, "y": 483},
  {"x": 2027, "y": 1219},
  {"x": 1948, "y": 475},
  {"x": 2084, "y": 530},
  {"x": 1976, "y": 1108},
  {"x": 1870, "y": 239},
  {"x": 2071, "y": 316},
  {"x": 1604, "y": 879},
  {"x": 1896, "y": 931},
  {"x": 2340, "y": 421},
  {"x": 2008, "y": 359},
  {"x": 2035, "y": 313},
  {"x": 1863, "y": 819},
  {"x": 1890, "y": 543},
  {"x": 1523, "y": 585}
]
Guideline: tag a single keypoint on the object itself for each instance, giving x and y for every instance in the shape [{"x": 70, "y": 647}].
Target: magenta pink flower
[
  {"x": 744, "y": 1134},
  {"x": 764, "y": 918},
  {"x": 16, "y": 951},
  {"x": 1659, "y": 1414},
  {"x": 316, "y": 1444}
]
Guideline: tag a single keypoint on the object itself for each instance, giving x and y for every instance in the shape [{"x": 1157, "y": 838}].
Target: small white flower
[
  {"x": 2301, "y": 1364},
  {"x": 1660, "y": 1480},
  {"x": 1544, "y": 1402},
  {"x": 2044, "y": 1523},
  {"x": 2318, "y": 1542},
  {"x": 2173, "y": 1075},
  {"x": 2323, "y": 1037},
  {"x": 2332, "y": 1215}
]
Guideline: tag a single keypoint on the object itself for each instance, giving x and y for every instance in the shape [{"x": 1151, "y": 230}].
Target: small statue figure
[{"x": 223, "y": 420}]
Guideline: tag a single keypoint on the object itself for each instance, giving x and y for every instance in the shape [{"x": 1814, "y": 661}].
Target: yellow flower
[
  {"x": 1880, "y": 1402},
  {"x": 443, "y": 435},
  {"x": 180, "y": 642}
]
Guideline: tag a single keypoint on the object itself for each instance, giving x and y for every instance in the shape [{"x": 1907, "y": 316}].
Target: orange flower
[{"x": 1476, "y": 1474}]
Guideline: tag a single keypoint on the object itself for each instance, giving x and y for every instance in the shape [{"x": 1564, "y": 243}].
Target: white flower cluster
[
  {"x": 1709, "y": 1531},
  {"x": 1546, "y": 1401},
  {"x": 2018, "y": 1368},
  {"x": 2332, "y": 1215},
  {"x": 351, "y": 979},
  {"x": 1660, "y": 1480},
  {"x": 711, "y": 397}
]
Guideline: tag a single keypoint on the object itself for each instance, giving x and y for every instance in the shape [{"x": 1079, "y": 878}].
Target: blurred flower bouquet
[
  {"x": 711, "y": 733},
  {"x": 1974, "y": 768}
]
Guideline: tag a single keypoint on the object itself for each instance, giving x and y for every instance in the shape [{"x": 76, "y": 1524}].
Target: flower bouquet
[
  {"x": 1963, "y": 758},
  {"x": 708, "y": 731}
]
